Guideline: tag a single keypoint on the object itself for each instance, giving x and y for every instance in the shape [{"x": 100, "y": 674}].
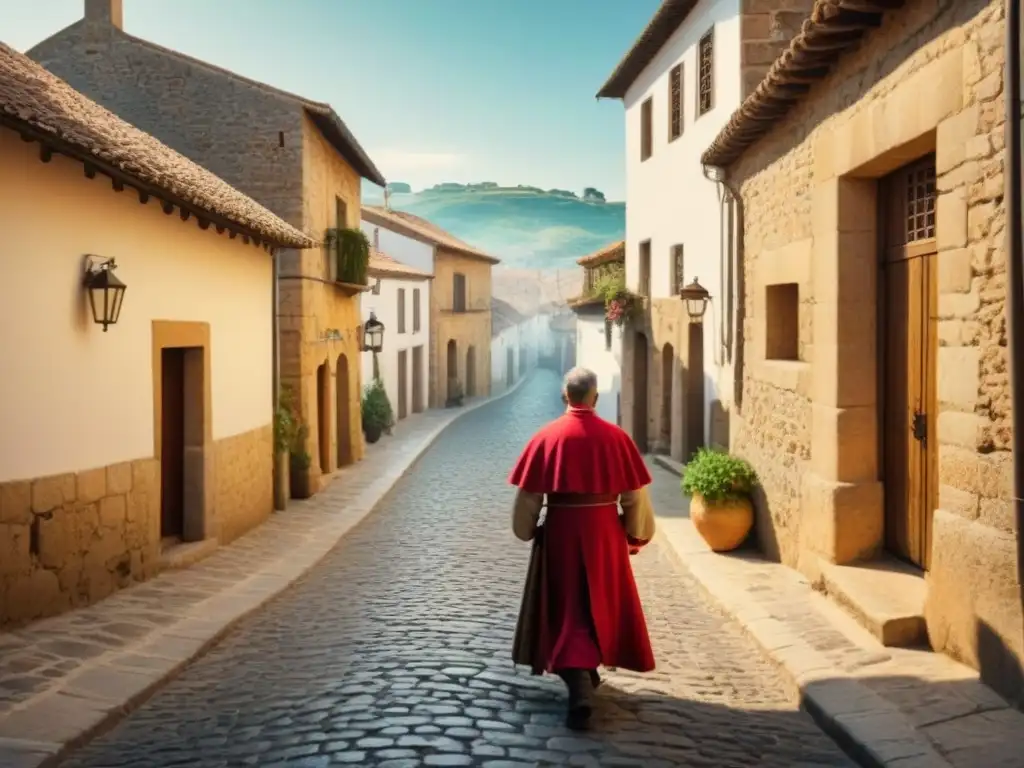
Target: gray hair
[{"x": 578, "y": 383}]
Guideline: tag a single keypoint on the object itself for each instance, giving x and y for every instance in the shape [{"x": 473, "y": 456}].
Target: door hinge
[{"x": 920, "y": 427}]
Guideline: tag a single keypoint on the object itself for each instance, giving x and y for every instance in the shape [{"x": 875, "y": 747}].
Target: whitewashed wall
[
  {"x": 593, "y": 352},
  {"x": 526, "y": 340},
  {"x": 669, "y": 201},
  {"x": 401, "y": 248},
  {"x": 385, "y": 306}
]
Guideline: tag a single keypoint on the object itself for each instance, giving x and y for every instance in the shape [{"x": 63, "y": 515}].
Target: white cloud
[{"x": 395, "y": 162}]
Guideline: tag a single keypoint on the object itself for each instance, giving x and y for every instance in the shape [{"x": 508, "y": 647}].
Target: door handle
[{"x": 920, "y": 427}]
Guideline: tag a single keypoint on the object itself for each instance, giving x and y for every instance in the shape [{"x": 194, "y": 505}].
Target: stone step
[
  {"x": 885, "y": 596},
  {"x": 184, "y": 555}
]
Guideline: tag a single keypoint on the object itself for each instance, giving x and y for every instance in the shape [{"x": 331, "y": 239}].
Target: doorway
[
  {"x": 510, "y": 367},
  {"x": 172, "y": 444},
  {"x": 640, "y": 354},
  {"x": 522, "y": 361},
  {"x": 471, "y": 372},
  {"x": 403, "y": 384},
  {"x": 417, "y": 379},
  {"x": 323, "y": 421},
  {"x": 342, "y": 407},
  {"x": 908, "y": 307},
  {"x": 694, "y": 389},
  {"x": 453, "y": 370},
  {"x": 668, "y": 361}
]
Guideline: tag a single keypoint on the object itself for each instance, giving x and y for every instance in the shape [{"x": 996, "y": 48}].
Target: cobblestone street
[{"x": 394, "y": 651}]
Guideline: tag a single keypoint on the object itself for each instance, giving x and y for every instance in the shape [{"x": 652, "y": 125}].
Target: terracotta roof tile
[
  {"x": 420, "y": 228},
  {"x": 666, "y": 20},
  {"x": 612, "y": 252},
  {"x": 382, "y": 265},
  {"x": 39, "y": 104},
  {"x": 833, "y": 28}
]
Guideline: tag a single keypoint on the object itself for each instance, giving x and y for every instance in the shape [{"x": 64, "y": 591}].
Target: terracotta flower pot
[{"x": 724, "y": 525}]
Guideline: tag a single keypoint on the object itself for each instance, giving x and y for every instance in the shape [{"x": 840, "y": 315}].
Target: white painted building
[
  {"x": 599, "y": 342},
  {"x": 516, "y": 343},
  {"x": 680, "y": 83},
  {"x": 399, "y": 298}
]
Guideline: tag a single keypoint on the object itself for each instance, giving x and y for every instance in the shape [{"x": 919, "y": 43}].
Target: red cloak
[{"x": 590, "y": 612}]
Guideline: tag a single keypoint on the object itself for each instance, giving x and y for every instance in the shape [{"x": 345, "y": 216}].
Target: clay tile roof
[
  {"x": 421, "y": 229},
  {"x": 612, "y": 252},
  {"x": 42, "y": 106},
  {"x": 660, "y": 28},
  {"x": 832, "y": 29},
  {"x": 382, "y": 265},
  {"x": 323, "y": 115}
]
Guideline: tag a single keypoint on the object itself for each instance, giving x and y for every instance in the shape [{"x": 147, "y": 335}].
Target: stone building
[
  {"x": 598, "y": 340},
  {"x": 687, "y": 72},
  {"x": 142, "y": 443},
  {"x": 460, "y": 303},
  {"x": 875, "y": 395},
  {"x": 293, "y": 155}
]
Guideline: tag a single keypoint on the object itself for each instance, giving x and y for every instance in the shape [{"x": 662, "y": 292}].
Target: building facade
[
  {"x": 515, "y": 343},
  {"x": 400, "y": 298},
  {"x": 460, "y": 305},
  {"x": 294, "y": 156},
  {"x": 599, "y": 340},
  {"x": 876, "y": 401},
  {"x": 127, "y": 451},
  {"x": 679, "y": 83}
]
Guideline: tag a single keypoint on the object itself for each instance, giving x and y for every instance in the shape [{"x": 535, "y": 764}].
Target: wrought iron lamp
[
  {"x": 106, "y": 291},
  {"x": 696, "y": 297}
]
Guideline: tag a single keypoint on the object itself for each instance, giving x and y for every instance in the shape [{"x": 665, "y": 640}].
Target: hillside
[{"x": 526, "y": 227}]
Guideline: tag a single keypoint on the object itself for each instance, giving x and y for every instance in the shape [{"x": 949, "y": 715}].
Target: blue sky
[{"x": 435, "y": 90}]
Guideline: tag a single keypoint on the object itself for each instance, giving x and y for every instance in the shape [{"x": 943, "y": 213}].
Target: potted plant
[
  {"x": 299, "y": 464},
  {"x": 455, "y": 393},
  {"x": 719, "y": 487},
  {"x": 285, "y": 428},
  {"x": 619, "y": 304},
  {"x": 376, "y": 410}
]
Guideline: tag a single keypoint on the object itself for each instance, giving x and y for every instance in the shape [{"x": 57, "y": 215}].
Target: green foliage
[
  {"x": 286, "y": 423},
  {"x": 351, "y": 250},
  {"x": 718, "y": 476},
  {"x": 300, "y": 459},
  {"x": 619, "y": 304},
  {"x": 376, "y": 406}
]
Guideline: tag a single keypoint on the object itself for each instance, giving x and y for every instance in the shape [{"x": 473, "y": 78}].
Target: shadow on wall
[{"x": 999, "y": 667}]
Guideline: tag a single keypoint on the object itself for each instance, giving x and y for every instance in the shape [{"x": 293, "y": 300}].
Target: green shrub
[
  {"x": 300, "y": 459},
  {"x": 718, "y": 476},
  {"x": 376, "y": 406}
]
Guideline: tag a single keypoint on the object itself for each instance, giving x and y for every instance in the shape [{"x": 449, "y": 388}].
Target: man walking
[{"x": 580, "y": 607}]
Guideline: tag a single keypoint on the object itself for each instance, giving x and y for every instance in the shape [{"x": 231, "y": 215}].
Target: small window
[
  {"x": 401, "y": 310},
  {"x": 458, "y": 292},
  {"x": 782, "y": 327},
  {"x": 706, "y": 73},
  {"x": 646, "y": 130},
  {"x": 415, "y": 310},
  {"x": 676, "y": 278},
  {"x": 675, "y": 101},
  {"x": 644, "y": 282}
]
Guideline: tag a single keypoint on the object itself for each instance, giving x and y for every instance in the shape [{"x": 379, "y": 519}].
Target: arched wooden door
[
  {"x": 668, "y": 364},
  {"x": 323, "y": 417},
  {"x": 471, "y": 372},
  {"x": 640, "y": 355},
  {"x": 452, "y": 368},
  {"x": 343, "y": 415}
]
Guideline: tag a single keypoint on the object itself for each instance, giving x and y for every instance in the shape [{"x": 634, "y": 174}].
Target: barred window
[
  {"x": 646, "y": 135},
  {"x": 675, "y": 101},
  {"x": 920, "y": 224},
  {"x": 706, "y": 73},
  {"x": 677, "y": 278}
]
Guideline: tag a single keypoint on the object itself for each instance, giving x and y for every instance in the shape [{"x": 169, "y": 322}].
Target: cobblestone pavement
[{"x": 395, "y": 651}]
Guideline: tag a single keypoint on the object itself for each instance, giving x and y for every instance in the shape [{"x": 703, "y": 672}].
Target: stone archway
[
  {"x": 323, "y": 417},
  {"x": 343, "y": 411},
  {"x": 668, "y": 363},
  {"x": 471, "y": 372},
  {"x": 452, "y": 369}
]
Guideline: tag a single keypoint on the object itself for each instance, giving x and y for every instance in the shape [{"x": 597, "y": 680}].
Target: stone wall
[
  {"x": 930, "y": 79},
  {"x": 72, "y": 539},
  {"x": 243, "y": 482},
  {"x": 766, "y": 27}
]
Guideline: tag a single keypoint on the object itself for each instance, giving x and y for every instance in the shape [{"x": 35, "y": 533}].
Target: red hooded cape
[{"x": 590, "y": 612}]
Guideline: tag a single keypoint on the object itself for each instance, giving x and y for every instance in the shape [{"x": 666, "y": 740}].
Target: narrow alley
[{"x": 395, "y": 651}]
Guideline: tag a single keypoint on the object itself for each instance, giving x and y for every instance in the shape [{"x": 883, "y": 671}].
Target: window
[
  {"x": 401, "y": 310},
  {"x": 333, "y": 269},
  {"x": 782, "y": 329},
  {"x": 646, "y": 137},
  {"x": 676, "y": 279},
  {"x": 645, "y": 268},
  {"x": 415, "y": 310},
  {"x": 675, "y": 102},
  {"x": 459, "y": 293},
  {"x": 706, "y": 73},
  {"x": 920, "y": 221}
]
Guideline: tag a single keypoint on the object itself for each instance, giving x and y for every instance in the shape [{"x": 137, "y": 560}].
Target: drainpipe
[
  {"x": 720, "y": 176},
  {"x": 1014, "y": 267}
]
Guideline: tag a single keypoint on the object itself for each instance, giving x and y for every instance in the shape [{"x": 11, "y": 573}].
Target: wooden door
[
  {"x": 909, "y": 306},
  {"x": 172, "y": 443},
  {"x": 417, "y": 379},
  {"x": 403, "y": 384},
  {"x": 694, "y": 389}
]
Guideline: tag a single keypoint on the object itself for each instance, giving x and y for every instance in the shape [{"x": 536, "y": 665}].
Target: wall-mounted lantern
[
  {"x": 696, "y": 298},
  {"x": 373, "y": 335},
  {"x": 106, "y": 292}
]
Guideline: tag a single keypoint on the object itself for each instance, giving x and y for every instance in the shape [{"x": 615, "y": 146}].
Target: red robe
[{"x": 590, "y": 609}]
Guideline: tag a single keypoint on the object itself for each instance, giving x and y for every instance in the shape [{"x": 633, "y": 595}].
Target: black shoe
[
  {"x": 580, "y": 684},
  {"x": 578, "y": 718},
  {"x": 595, "y": 679}
]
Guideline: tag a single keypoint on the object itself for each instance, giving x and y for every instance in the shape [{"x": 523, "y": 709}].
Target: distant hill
[{"x": 528, "y": 228}]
